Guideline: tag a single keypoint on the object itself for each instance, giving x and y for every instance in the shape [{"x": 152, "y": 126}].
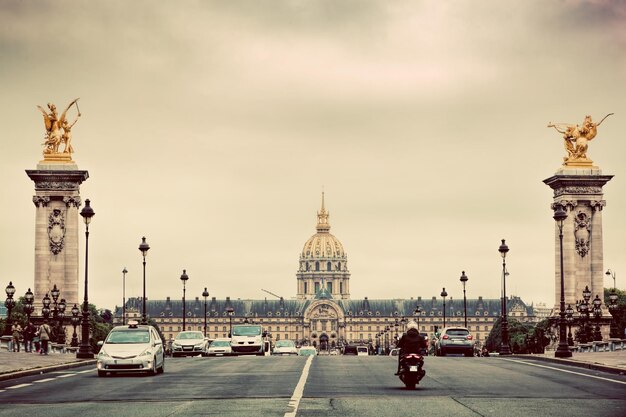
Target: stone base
[{"x": 57, "y": 158}]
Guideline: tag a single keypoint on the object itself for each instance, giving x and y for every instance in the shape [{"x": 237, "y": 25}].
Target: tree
[{"x": 523, "y": 337}]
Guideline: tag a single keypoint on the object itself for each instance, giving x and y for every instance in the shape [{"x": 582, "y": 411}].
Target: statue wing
[
  {"x": 62, "y": 118},
  {"x": 46, "y": 120}
]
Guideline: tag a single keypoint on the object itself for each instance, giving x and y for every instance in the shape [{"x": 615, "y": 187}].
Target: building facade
[{"x": 322, "y": 314}]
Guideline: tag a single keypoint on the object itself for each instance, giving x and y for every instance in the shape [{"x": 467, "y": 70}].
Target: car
[
  {"x": 350, "y": 350},
  {"x": 307, "y": 351},
  {"x": 454, "y": 340},
  {"x": 285, "y": 347},
  {"x": 424, "y": 351},
  {"x": 220, "y": 347},
  {"x": 190, "y": 343},
  {"x": 131, "y": 348},
  {"x": 394, "y": 352},
  {"x": 362, "y": 351}
]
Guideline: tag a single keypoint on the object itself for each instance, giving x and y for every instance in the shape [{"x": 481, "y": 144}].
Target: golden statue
[
  {"x": 577, "y": 138},
  {"x": 58, "y": 130}
]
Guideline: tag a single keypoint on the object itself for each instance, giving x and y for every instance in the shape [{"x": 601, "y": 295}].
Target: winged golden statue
[
  {"x": 58, "y": 129},
  {"x": 576, "y": 138}
]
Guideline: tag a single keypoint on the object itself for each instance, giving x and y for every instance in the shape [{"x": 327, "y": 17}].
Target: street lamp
[
  {"x": 29, "y": 297},
  {"x": 569, "y": 317},
  {"x": 597, "y": 313},
  {"x": 563, "y": 350},
  {"x": 9, "y": 304},
  {"x": 85, "y": 351},
  {"x": 611, "y": 273},
  {"x": 464, "y": 279},
  {"x": 75, "y": 320},
  {"x": 60, "y": 317},
  {"x": 45, "y": 310},
  {"x": 205, "y": 294},
  {"x": 444, "y": 294},
  {"x": 144, "y": 247},
  {"x": 124, "y": 271},
  {"x": 230, "y": 311},
  {"x": 583, "y": 309},
  {"x": 184, "y": 279},
  {"x": 505, "y": 349},
  {"x": 416, "y": 313}
]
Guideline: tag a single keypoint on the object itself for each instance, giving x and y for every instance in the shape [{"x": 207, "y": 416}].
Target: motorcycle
[{"x": 411, "y": 372}]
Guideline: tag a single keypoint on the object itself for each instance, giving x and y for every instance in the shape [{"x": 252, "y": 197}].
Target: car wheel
[
  {"x": 469, "y": 353},
  {"x": 102, "y": 373},
  {"x": 161, "y": 369},
  {"x": 442, "y": 352},
  {"x": 154, "y": 370}
]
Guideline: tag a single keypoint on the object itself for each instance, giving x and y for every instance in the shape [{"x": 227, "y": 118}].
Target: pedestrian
[
  {"x": 16, "y": 332},
  {"x": 44, "y": 336},
  {"x": 28, "y": 333}
]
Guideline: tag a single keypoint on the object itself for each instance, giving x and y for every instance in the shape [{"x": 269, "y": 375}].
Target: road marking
[
  {"x": 44, "y": 380},
  {"x": 66, "y": 375},
  {"x": 565, "y": 370},
  {"x": 19, "y": 386},
  {"x": 88, "y": 370},
  {"x": 294, "y": 402}
]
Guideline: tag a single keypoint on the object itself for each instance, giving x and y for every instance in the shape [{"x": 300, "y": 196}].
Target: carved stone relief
[
  {"x": 41, "y": 201},
  {"x": 72, "y": 201},
  {"x": 597, "y": 205},
  {"x": 582, "y": 230},
  {"x": 577, "y": 190},
  {"x": 56, "y": 231}
]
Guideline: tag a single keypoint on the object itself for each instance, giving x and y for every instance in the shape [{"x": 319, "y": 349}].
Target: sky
[{"x": 212, "y": 128}]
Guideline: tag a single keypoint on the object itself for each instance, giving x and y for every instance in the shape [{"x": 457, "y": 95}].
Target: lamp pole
[
  {"x": 569, "y": 317},
  {"x": 597, "y": 313},
  {"x": 184, "y": 279},
  {"x": 444, "y": 294},
  {"x": 144, "y": 247},
  {"x": 75, "y": 320},
  {"x": 505, "y": 349},
  {"x": 124, "y": 271},
  {"x": 205, "y": 294},
  {"x": 9, "y": 304},
  {"x": 417, "y": 312},
  {"x": 563, "y": 350},
  {"x": 230, "y": 311},
  {"x": 464, "y": 279},
  {"x": 611, "y": 273},
  {"x": 85, "y": 351},
  {"x": 29, "y": 297}
]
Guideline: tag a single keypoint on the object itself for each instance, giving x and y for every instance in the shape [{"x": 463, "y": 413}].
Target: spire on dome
[{"x": 322, "y": 219}]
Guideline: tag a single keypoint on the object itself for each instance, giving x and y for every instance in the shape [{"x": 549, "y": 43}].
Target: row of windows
[{"x": 329, "y": 266}]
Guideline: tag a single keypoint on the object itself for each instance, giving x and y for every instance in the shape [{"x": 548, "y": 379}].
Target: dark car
[
  {"x": 349, "y": 350},
  {"x": 454, "y": 340}
]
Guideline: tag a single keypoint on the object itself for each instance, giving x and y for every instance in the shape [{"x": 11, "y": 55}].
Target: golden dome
[{"x": 323, "y": 244}]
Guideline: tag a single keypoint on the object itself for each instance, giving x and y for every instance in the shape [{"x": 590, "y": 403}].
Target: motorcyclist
[{"x": 411, "y": 342}]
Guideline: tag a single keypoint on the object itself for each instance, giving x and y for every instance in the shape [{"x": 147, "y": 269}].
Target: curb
[
  {"x": 45, "y": 369},
  {"x": 579, "y": 364}
]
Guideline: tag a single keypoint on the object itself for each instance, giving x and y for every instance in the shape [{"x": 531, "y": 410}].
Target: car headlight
[
  {"x": 174, "y": 344},
  {"x": 103, "y": 354},
  {"x": 199, "y": 344},
  {"x": 146, "y": 352}
]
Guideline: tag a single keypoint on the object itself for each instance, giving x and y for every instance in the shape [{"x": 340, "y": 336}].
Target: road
[{"x": 331, "y": 386}]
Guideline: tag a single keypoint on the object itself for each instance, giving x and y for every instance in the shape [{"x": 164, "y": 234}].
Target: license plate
[{"x": 413, "y": 369}]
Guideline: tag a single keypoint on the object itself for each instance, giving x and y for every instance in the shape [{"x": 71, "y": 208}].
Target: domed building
[
  {"x": 322, "y": 313},
  {"x": 323, "y": 263}
]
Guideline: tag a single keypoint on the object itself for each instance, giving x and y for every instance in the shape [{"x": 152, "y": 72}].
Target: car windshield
[
  {"x": 457, "y": 332},
  {"x": 285, "y": 343},
  {"x": 220, "y": 343},
  {"x": 129, "y": 336},
  {"x": 189, "y": 335},
  {"x": 247, "y": 331}
]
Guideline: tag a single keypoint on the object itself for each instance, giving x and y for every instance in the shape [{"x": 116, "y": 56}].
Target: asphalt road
[{"x": 334, "y": 386}]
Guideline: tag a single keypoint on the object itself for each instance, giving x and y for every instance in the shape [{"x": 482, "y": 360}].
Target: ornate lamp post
[
  {"x": 613, "y": 309},
  {"x": 9, "y": 304},
  {"x": 611, "y": 274},
  {"x": 124, "y": 271},
  {"x": 45, "y": 310},
  {"x": 85, "y": 351},
  {"x": 75, "y": 320},
  {"x": 205, "y": 294},
  {"x": 569, "y": 317},
  {"x": 505, "y": 349},
  {"x": 230, "y": 311},
  {"x": 60, "y": 316},
  {"x": 184, "y": 277},
  {"x": 464, "y": 279},
  {"x": 563, "y": 350},
  {"x": 29, "y": 308},
  {"x": 444, "y": 294},
  {"x": 144, "y": 247},
  {"x": 597, "y": 313},
  {"x": 416, "y": 313}
]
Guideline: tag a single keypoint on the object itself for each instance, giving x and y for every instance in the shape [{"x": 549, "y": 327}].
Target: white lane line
[
  {"x": 19, "y": 386},
  {"x": 66, "y": 375},
  {"x": 44, "y": 380},
  {"x": 294, "y": 402},
  {"x": 85, "y": 371},
  {"x": 565, "y": 370}
]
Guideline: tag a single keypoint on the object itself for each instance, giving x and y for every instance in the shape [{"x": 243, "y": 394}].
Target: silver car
[
  {"x": 190, "y": 343},
  {"x": 454, "y": 340},
  {"x": 285, "y": 347},
  {"x": 132, "y": 348},
  {"x": 220, "y": 347}
]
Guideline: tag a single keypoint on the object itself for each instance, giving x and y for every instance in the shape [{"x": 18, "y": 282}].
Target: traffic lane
[{"x": 184, "y": 378}]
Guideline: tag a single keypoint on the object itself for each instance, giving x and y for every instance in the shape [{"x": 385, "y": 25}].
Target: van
[
  {"x": 247, "y": 339},
  {"x": 362, "y": 351}
]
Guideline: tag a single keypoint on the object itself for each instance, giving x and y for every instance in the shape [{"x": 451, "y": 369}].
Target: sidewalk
[
  {"x": 18, "y": 364},
  {"x": 613, "y": 362}
]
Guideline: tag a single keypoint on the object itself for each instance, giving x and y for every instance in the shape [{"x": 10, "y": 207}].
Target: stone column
[
  {"x": 580, "y": 192},
  {"x": 57, "y": 199}
]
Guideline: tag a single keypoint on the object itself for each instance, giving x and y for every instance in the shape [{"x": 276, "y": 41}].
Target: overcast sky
[{"x": 212, "y": 128}]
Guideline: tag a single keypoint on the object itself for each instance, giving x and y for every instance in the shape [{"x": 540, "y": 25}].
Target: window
[
  {"x": 329, "y": 287},
  {"x": 328, "y": 266},
  {"x": 317, "y": 265},
  {"x": 306, "y": 288}
]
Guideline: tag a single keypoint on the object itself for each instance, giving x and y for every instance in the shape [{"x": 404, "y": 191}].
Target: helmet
[{"x": 411, "y": 325}]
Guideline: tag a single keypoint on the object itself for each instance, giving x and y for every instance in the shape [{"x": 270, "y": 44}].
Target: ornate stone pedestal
[
  {"x": 579, "y": 191},
  {"x": 57, "y": 199}
]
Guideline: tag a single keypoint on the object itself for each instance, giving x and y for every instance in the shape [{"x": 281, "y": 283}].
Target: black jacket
[{"x": 412, "y": 342}]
